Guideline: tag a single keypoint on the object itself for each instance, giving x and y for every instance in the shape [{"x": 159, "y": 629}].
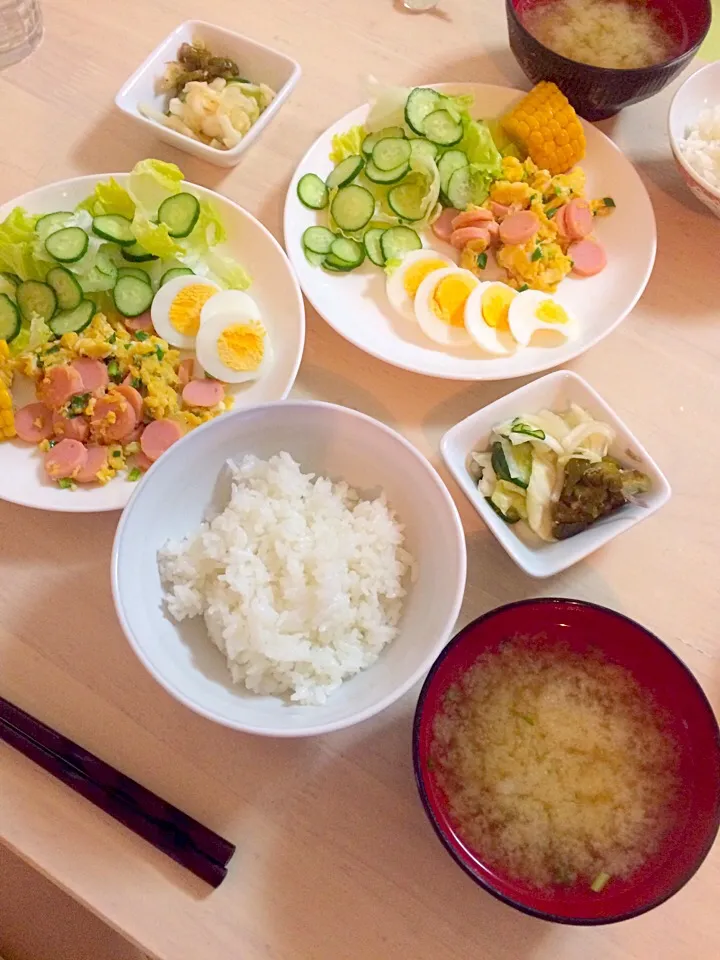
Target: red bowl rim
[
  {"x": 630, "y": 71},
  {"x": 447, "y": 842}
]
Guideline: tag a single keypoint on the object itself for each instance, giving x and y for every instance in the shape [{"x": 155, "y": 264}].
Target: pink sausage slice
[
  {"x": 588, "y": 258},
  {"x": 578, "y": 219},
  {"x": 58, "y": 385},
  {"x": 460, "y": 238},
  {"x": 93, "y": 373},
  {"x": 518, "y": 228},
  {"x": 143, "y": 322},
  {"x": 74, "y": 428},
  {"x": 185, "y": 371},
  {"x": 65, "y": 459},
  {"x": 472, "y": 218},
  {"x": 97, "y": 458},
  {"x": 203, "y": 393},
  {"x": 143, "y": 462},
  {"x": 133, "y": 397},
  {"x": 560, "y": 222},
  {"x": 33, "y": 423},
  {"x": 113, "y": 418},
  {"x": 158, "y": 436},
  {"x": 499, "y": 210},
  {"x": 442, "y": 228}
]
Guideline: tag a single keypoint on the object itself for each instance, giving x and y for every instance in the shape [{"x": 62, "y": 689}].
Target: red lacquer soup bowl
[{"x": 583, "y": 627}]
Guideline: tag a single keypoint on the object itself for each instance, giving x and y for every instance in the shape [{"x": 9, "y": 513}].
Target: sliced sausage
[
  {"x": 113, "y": 418},
  {"x": 560, "y": 222},
  {"x": 185, "y": 370},
  {"x": 518, "y": 228},
  {"x": 203, "y": 393},
  {"x": 578, "y": 219},
  {"x": 133, "y": 397},
  {"x": 158, "y": 436},
  {"x": 143, "y": 322},
  {"x": 143, "y": 462},
  {"x": 493, "y": 229},
  {"x": 93, "y": 373},
  {"x": 499, "y": 210},
  {"x": 58, "y": 385},
  {"x": 97, "y": 458},
  {"x": 460, "y": 238},
  {"x": 588, "y": 257},
  {"x": 65, "y": 459},
  {"x": 33, "y": 423},
  {"x": 472, "y": 218},
  {"x": 74, "y": 428},
  {"x": 133, "y": 436},
  {"x": 442, "y": 228}
]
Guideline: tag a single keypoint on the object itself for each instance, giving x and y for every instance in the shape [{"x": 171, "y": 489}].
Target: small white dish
[
  {"x": 325, "y": 439},
  {"x": 259, "y": 63},
  {"x": 700, "y": 91},
  {"x": 555, "y": 392}
]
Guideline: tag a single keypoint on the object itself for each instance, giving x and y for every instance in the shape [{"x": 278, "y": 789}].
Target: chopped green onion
[
  {"x": 551, "y": 212},
  {"x": 136, "y": 382},
  {"x": 536, "y": 254},
  {"x": 112, "y": 338},
  {"x": 114, "y": 370},
  {"x": 134, "y": 474},
  {"x": 609, "y": 202},
  {"x": 54, "y": 349},
  {"x": 600, "y": 882},
  {"x": 160, "y": 353},
  {"x": 141, "y": 335},
  {"x": 51, "y": 444},
  {"x": 65, "y": 483},
  {"x": 523, "y": 288},
  {"x": 77, "y": 404},
  {"x": 482, "y": 260},
  {"x": 117, "y": 453},
  {"x": 558, "y": 190}
]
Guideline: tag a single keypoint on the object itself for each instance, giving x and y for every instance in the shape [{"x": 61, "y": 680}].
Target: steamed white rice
[
  {"x": 300, "y": 582},
  {"x": 701, "y": 146}
]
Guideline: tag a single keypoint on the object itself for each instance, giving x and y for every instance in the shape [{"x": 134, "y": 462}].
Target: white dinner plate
[
  {"x": 355, "y": 304},
  {"x": 274, "y": 287}
]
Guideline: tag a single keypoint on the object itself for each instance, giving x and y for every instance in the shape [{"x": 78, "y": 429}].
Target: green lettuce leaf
[
  {"x": 31, "y": 336},
  {"x": 478, "y": 144},
  {"x": 149, "y": 183},
  {"x": 17, "y": 240},
  {"x": 347, "y": 144},
  {"x": 109, "y": 197}
]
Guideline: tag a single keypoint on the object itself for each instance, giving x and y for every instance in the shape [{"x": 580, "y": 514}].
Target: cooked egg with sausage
[
  {"x": 532, "y": 311},
  {"x": 177, "y": 307},
  {"x": 233, "y": 345},
  {"x": 440, "y": 305},
  {"x": 486, "y": 317},
  {"x": 403, "y": 283}
]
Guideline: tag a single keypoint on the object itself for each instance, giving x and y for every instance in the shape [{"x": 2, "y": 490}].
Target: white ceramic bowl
[
  {"x": 555, "y": 392},
  {"x": 700, "y": 90},
  {"x": 259, "y": 63},
  {"x": 326, "y": 439}
]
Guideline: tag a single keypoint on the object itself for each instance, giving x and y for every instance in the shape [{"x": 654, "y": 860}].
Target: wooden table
[{"x": 335, "y": 858}]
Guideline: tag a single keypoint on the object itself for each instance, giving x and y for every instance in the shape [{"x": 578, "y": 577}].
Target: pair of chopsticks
[{"x": 168, "y": 829}]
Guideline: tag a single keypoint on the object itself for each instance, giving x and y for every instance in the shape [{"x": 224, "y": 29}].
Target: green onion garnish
[
  {"x": 65, "y": 483},
  {"x": 136, "y": 382},
  {"x": 114, "y": 370},
  {"x": 160, "y": 353},
  {"x": 77, "y": 404},
  {"x": 112, "y": 338},
  {"x": 134, "y": 474},
  {"x": 523, "y": 288},
  {"x": 482, "y": 260},
  {"x": 117, "y": 453},
  {"x": 141, "y": 335},
  {"x": 600, "y": 882},
  {"x": 551, "y": 212},
  {"x": 536, "y": 254},
  {"x": 609, "y": 202}
]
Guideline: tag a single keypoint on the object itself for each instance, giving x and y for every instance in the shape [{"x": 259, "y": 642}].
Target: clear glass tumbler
[{"x": 21, "y": 30}]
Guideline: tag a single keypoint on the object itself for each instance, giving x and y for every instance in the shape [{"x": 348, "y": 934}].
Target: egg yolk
[
  {"x": 184, "y": 313},
  {"x": 416, "y": 273},
  {"x": 549, "y": 311},
  {"x": 449, "y": 298},
  {"x": 242, "y": 345},
  {"x": 495, "y": 304}
]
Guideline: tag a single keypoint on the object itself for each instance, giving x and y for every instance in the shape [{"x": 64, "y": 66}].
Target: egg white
[
  {"x": 431, "y": 325},
  {"x": 240, "y": 305},
  {"x": 524, "y": 322},
  {"x": 207, "y": 352},
  {"x": 497, "y": 342},
  {"x": 160, "y": 310},
  {"x": 396, "y": 292}
]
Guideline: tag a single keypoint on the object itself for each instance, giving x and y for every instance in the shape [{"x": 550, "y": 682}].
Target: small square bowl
[
  {"x": 555, "y": 392},
  {"x": 260, "y": 64}
]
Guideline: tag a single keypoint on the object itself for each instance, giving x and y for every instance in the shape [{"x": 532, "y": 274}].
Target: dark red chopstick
[{"x": 186, "y": 841}]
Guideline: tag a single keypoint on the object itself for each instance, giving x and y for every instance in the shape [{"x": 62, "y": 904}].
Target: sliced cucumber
[
  {"x": 423, "y": 148},
  {"x": 36, "y": 299},
  {"x": 347, "y": 250},
  {"x": 114, "y": 228},
  {"x": 421, "y": 103},
  {"x": 137, "y": 254},
  {"x": 67, "y": 289},
  {"x": 179, "y": 214},
  {"x": 352, "y": 208},
  {"x": 441, "y": 128},
  {"x": 397, "y": 241},
  {"x": 386, "y": 176},
  {"x": 373, "y": 245},
  {"x": 132, "y": 296},
  {"x": 144, "y": 275},
  {"x": 10, "y": 322},
  {"x": 12, "y": 278},
  {"x": 345, "y": 172},
  {"x": 368, "y": 144},
  {"x": 312, "y": 192},
  {"x": 336, "y": 265},
  {"x": 447, "y": 165},
  {"x": 463, "y": 189},
  {"x": 73, "y": 321},
  {"x": 318, "y": 240},
  {"x": 51, "y": 222},
  {"x": 512, "y": 463},
  {"x": 67, "y": 245},
  {"x": 168, "y": 275},
  {"x": 314, "y": 259},
  {"x": 408, "y": 201},
  {"x": 391, "y": 152}
]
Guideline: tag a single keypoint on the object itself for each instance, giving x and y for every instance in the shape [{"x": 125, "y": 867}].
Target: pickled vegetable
[{"x": 591, "y": 491}]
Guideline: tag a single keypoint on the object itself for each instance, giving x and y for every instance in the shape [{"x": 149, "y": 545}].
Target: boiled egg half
[
  {"x": 486, "y": 317},
  {"x": 176, "y": 309},
  {"x": 440, "y": 305},
  {"x": 533, "y": 311},
  {"x": 232, "y": 344},
  {"x": 402, "y": 285}
]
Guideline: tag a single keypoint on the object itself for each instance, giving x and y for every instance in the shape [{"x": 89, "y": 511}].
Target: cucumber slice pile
[{"x": 340, "y": 254}]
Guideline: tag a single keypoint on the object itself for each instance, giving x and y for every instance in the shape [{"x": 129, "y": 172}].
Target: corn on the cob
[
  {"x": 548, "y": 128},
  {"x": 7, "y": 417}
]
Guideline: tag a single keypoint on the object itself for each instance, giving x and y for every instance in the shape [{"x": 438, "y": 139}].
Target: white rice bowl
[{"x": 300, "y": 582}]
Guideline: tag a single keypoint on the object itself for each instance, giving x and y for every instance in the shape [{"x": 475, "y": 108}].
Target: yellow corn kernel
[
  {"x": 545, "y": 110},
  {"x": 7, "y": 416}
]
